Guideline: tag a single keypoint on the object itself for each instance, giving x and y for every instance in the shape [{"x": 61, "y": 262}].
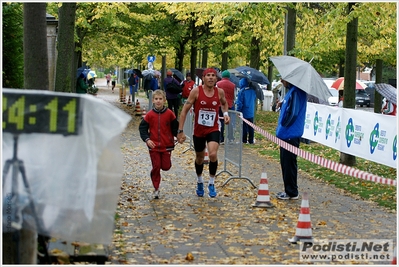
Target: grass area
[{"x": 384, "y": 195}]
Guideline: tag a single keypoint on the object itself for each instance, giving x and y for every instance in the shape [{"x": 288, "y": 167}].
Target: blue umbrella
[
  {"x": 234, "y": 80},
  {"x": 253, "y": 74},
  {"x": 82, "y": 70}
]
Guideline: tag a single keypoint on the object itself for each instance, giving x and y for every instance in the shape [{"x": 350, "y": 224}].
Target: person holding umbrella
[
  {"x": 388, "y": 108},
  {"x": 81, "y": 86},
  {"x": 172, "y": 97},
  {"x": 290, "y": 127}
]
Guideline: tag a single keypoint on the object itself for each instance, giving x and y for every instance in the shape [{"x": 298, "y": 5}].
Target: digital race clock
[{"x": 36, "y": 111}]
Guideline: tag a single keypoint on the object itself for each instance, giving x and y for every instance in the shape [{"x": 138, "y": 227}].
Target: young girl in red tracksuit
[{"x": 158, "y": 129}]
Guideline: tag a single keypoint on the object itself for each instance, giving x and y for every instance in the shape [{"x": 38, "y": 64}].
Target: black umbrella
[
  {"x": 177, "y": 74},
  {"x": 138, "y": 73}
]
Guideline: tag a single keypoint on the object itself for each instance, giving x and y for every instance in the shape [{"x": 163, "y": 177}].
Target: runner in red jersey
[{"x": 206, "y": 100}]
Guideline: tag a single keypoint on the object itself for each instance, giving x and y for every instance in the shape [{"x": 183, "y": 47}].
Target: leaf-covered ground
[{"x": 181, "y": 228}]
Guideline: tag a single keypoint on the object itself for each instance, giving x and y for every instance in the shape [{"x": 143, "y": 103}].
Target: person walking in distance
[
  {"x": 171, "y": 97},
  {"x": 158, "y": 129},
  {"x": 108, "y": 78},
  {"x": 229, "y": 91},
  {"x": 290, "y": 126},
  {"x": 206, "y": 99},
  {"x": 113, "y": 77}
]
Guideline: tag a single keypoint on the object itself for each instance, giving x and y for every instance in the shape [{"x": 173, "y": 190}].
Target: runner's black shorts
[
  {"x": 200, "y": 142},
  {"x": 113, "y": 82}
]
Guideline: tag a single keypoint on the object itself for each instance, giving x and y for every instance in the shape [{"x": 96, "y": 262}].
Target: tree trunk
[
  {"x": 270, "y": 77},
  {"x": 193, "y": 50},
  {"x": 22, "y": 249},
  {"x": 204, "y": 60},
  {"x": 378, "y": 79},
  {"x": 255, "y": 53},
  {"x": 35, "y": 46},
  {"x": 65, "y": 80},
  {"x": 180, "y": 56},
  {"x": 350, "y": 78},
  {"x": 290, "y": 31},
  {"x": 225, "y": 56}
]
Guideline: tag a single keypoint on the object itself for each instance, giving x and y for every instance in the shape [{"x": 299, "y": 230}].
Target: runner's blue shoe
[
  {"x": 212, "y": 190},
  {"x": 200, "y": 189}
]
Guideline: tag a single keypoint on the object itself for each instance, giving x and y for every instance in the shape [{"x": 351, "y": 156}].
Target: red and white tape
[{"x": 338, "y": 167}]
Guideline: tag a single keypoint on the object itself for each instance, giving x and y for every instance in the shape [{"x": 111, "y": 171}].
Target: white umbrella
[{"x": 301, "y": 74}]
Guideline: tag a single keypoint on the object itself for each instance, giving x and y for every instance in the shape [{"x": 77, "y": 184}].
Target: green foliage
[
  {"x": 123, "y": 34},
  {"x": 13, "y": 58}
]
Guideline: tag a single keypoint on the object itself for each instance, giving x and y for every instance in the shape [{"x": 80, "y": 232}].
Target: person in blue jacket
[
  {"x": 246, "y": 100},
  {"x": 290, "y": 127},
  {"x": 154, "y": 82}
]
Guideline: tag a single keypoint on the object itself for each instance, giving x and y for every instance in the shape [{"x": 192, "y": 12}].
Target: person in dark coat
[
  {"x": 172, "y": 98},
  {"x": 81, "y": 86}
]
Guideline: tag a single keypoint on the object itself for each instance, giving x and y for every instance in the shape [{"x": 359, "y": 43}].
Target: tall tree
[
  {"x": 22, "y": 245},
  {"x": 13, "y": 58},
  {"x": 35, "y": 46},
  {"x": 350, "y": 74},
  {"x": 290, "y": 30},
  {"x": 66, "y": 69}
]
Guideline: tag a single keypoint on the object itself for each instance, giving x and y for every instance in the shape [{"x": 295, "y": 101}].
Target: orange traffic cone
[
  {"x": 394, "y": 256},
  {"x": 206, "y": 158},
  {"x": 304, "y": 227},
  {"x": 143, "y": 113},
  {"x": 129, "y": 103},
  {"x": 263, "y": 199},
  {"x": 120, "y": 95},
  {"x": 138, "y": 109}
]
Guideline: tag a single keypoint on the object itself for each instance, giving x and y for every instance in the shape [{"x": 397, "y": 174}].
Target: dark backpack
[{"x": 174, "y": 88}]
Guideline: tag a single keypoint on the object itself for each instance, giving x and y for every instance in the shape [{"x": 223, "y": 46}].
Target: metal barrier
[
  {"x": 233, "y": 146},
  {"x": 188, "y": 128}
]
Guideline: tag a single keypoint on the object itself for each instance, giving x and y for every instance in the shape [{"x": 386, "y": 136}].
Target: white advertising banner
[{"x": 360, "y": 133}]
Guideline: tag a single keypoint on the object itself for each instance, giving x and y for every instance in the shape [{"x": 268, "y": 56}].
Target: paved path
[{"x": 225, "y": 229}]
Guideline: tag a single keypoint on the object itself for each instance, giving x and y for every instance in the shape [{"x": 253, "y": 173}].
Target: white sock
[
  {"x": 211, "y": 180},
  {"x": 199, "y": 179}
]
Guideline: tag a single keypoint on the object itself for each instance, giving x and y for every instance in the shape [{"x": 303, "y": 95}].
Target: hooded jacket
[
  {"x": 246, "y": 99},
  {"x": 291, "y": 121},
  {"x": 160, "y": 126}
]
